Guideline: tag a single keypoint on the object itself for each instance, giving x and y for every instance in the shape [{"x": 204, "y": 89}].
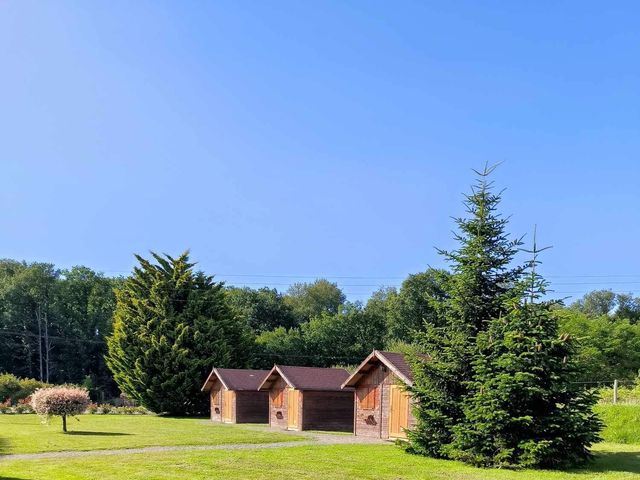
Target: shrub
[
  {"x": 130, "y": 411},
  {"x": 15, "y": 389},
  {"x": 9, "y": 386},
  {"x": 60, "y": 401}
]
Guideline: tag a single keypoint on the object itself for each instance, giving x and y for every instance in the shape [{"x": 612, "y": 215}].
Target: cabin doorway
[
  {"x": 227, "y": 403},
  {"x": 399, "y": 412},
  {"x": 292, "y": 409}
]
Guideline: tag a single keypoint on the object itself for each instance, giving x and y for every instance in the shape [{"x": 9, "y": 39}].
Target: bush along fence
[{"x": 618, "y": 392}]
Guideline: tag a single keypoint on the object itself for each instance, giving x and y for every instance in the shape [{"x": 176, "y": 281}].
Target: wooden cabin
[
  {"x": 234, "y": 396},
  {"x": 308, "y": 398},
  {"x": 382, "y": 408}
]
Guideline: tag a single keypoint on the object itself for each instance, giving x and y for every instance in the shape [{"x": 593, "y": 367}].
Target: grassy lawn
[
  {"x": 379, "y": 462},
  {"x": 26, "y": 434},
  {"x": 622, "y": 423}
]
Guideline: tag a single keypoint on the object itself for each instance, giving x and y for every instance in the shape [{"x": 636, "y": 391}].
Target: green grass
[
  {"x": 26, "y": 433},
  {"x": 379, "y": 462},
  {"x": 614, "y": 461},
  {"x": 622, "y": 423}
]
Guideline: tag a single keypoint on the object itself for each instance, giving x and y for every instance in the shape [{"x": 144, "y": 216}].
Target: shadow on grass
[
  {"x": 616, "y": 462},
  {"x": 97, "y": 434},
  {"x": 627, "y": 462}
]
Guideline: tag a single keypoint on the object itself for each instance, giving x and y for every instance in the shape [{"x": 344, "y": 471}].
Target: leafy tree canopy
[
  {"x": 264, "y": 309},
  {"x": 614, "y": 305},
  {"x": 309, "y": 300}
]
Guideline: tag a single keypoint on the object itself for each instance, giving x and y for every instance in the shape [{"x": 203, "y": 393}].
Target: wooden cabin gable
[{"x": 373, "y": 402}]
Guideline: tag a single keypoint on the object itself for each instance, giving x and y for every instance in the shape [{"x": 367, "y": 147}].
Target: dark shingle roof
[
  {"x": 400, "y": 362},
  {"x": 307, "y": 378},
  {"x": 237, "y": 378}
]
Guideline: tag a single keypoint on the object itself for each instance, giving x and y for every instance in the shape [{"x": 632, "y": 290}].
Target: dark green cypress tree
[
  {"x": 525, "y": 408},
  {"x": 482, "y": 278},
  {"x": 171, "y": 325}
]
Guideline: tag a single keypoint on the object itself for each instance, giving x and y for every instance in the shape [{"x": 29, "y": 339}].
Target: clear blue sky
[{"x": 318, "y": 138}]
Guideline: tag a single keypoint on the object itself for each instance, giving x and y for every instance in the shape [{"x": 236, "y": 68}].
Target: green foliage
[
  {"x": 498, "y": 387},
  {"x": 264, "y": 309},
  {"x": 345, "y": 337},
  {"x": 524, "y": 409},
  {"x": 309, "y": 300},
  {"x": 607, "y": 303},
  {"x": 417, "y": 303},
  {"x": 108, "y": 409},
  {"x": 609, "y": 347},
  {"x": 27, "y": 299},
  {"x": 84, "y": 308},
  {"x": 481, "y": 280},
  {"x": 53, "y": 323},
  {"x": 171, "y": 326},
  {"x": 331, "y": 331},
  {"x": 14, "y": 389},
  {"x": 281, "y": 346}
]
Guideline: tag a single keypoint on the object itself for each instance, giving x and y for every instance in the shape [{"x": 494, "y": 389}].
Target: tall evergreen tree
[
  {"x": 171, "y": 325},
  {"x": 524, "y": 407},
  {"x": 482, "y": 277}
]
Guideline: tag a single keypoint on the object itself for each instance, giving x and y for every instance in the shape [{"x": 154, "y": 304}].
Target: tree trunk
[
  {"x": 64, "y": 423},
  {"x": 39, "y": 318},
  {"x": 47, "y": 346}
]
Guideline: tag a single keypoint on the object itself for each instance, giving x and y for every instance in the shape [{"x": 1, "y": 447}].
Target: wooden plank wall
[
  {"x": 252, "y": 407},
  {"x": 332, "y": 411}
]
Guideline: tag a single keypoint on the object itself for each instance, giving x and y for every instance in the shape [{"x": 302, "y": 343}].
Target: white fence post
[{"x": 615, "y": 391}]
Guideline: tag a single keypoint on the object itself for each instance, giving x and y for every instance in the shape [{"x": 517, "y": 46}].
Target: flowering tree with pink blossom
[{"x": 60, "y": 401}]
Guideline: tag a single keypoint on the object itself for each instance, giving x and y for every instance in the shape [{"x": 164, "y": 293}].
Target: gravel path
[{"x": 314, "y": 439}]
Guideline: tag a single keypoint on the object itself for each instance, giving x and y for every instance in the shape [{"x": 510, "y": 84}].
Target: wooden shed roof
[
  {"x": 235, "y": 378},
  {"x": 396, "y": 362},
  {"x": 306, "y": 378}
]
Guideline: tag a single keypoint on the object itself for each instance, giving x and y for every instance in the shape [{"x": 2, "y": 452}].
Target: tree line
[{"x": 54, "y": 324}]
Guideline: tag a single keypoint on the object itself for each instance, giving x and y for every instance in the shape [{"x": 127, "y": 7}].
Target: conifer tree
[
  {"x": 171, "y": 325},
  {"x": 482, "y": 278},
  {"x": 524, "y": 408}
]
